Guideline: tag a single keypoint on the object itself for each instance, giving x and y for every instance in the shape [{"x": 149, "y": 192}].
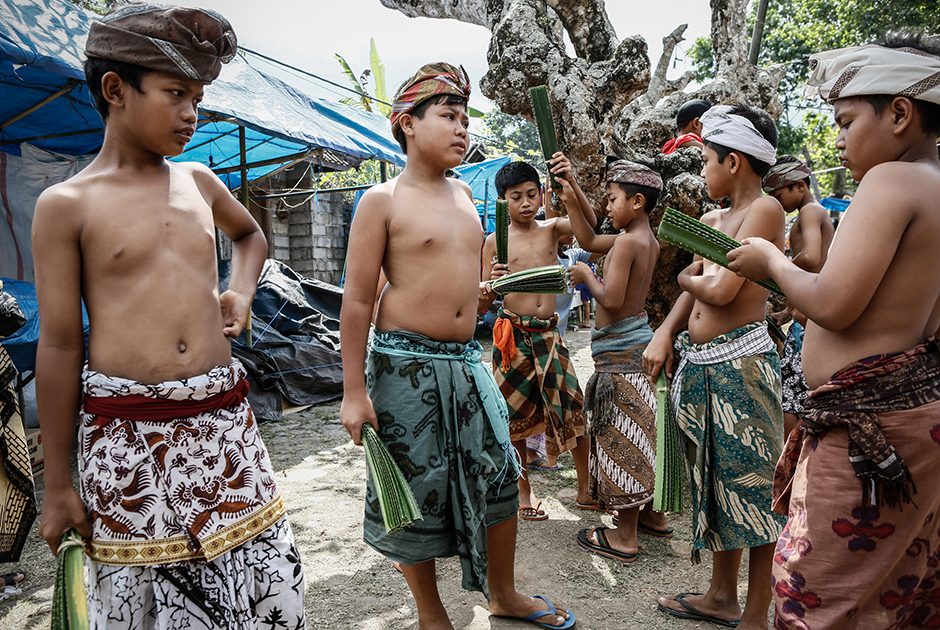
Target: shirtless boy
[
  {"x": 810, "y": 237},
  {"x": 726, "y": 390},
  {"x": 530, "y": 358},
  {"x": 619, "y": 397},
  {"x": 870, "y": 358},
  {"x": 423, "y": 387},
  {"x": 182, "y": 519}
]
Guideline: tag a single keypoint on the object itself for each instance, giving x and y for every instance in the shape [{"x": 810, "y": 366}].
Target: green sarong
[
  {"x": 726, "y": 396},
  {"x": 437, "y": 407}
]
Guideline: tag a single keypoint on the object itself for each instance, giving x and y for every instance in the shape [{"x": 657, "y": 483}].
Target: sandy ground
[{"x": 322, "y": 478}]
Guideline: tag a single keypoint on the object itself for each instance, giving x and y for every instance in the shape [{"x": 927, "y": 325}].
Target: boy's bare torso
[
  {"x": 642, "y": 246},
  {"x": 904, "y": 309},
  {"x": 819, "y": 217},
  {"x": 148, "y": 272},
  {"x": 432, "y": 260},
  {"x": 708, "y": 321},
  {"x": 534, "y": 246}
]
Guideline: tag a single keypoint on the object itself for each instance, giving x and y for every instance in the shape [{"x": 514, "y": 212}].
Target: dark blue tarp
[
  {"x": 21, "y": 345},
  {"x": 41, "y": 44},
  {"x": 480, "y": 176}
]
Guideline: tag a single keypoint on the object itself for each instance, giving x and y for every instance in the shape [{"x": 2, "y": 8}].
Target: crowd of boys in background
[{"x": 806, "y": 459}]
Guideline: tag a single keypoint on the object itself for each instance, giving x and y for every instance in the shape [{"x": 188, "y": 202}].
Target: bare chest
[{"x": 533, "y": 248}]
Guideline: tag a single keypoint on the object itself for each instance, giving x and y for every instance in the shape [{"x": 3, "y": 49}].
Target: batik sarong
[
  {"x": 795, "y": 389},
  {"x": 17, "y": 495},
  {"x": 161, "y": 492},
  {"x": 535, "y": 375},
  {"x": 257, "y": 585},
  {"x": 188, "y": 528},
  {"x": 843, "y": 520},
  {"x": 444, "y": 422},
  {"x": 726, "y": 396},
  {"x": 622, "y": 409}
]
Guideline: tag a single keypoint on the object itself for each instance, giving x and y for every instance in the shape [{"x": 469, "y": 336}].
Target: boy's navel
[
  {"x": 429, "y": 242},
  {"x": 182, "y": 347}
]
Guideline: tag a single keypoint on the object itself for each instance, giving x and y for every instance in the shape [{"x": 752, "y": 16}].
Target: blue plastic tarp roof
[
  {"x": 834, "y": 204},
  {"x": 41, "y": 44},
  {"x": 481, "y": 177}
]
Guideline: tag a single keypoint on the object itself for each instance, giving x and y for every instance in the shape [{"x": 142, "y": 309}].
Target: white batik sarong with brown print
[{"x": 189, "y": 529}]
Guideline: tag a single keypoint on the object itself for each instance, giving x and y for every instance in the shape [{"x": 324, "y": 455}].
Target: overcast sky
[{"x": 307, "y": 33}]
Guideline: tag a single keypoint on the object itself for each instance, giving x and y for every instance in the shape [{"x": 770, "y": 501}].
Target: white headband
[
  {"x": 737, "y": 133},
  {"x": 874, "y": 69}
]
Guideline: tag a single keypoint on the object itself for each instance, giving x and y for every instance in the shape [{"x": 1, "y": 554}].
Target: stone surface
[{"x": 605, "y": 100}]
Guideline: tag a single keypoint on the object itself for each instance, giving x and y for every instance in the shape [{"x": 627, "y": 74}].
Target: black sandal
[{"x": 10, "y": 579}]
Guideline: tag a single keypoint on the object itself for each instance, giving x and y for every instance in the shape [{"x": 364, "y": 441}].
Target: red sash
[{"x": 142, "y": 408}]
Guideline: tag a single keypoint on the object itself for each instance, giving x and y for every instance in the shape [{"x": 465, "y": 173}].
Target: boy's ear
[
  {"x": 639, "y": 201},
  {"x": 902, "y": 113},
  {"x": 113, "y": 89},
  {"x": 407, "y": 123},
  {"x": 734, "y": 161}
]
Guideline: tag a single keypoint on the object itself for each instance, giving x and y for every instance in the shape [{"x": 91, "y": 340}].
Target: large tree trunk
[{"x": 605, "y": 101}]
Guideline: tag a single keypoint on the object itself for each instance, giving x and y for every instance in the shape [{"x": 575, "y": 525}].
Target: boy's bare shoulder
[
  {"x": 903, "y": 180},
  {"x": 815, "y": 210},
  {"x": 463, "y": 187}
]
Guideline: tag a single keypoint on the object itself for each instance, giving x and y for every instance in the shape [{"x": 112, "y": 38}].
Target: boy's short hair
[
  {"x": 690, "y": 110},
  {"x": 419, "y": 112},
  {"x": 96, "y": 68},
  {"x": 642, "y": 178},
  {"x": 787, "y": 171},
  {"x": 764, "y": 125},
  {"x": 929, "y": 112},
  {"x": 513, "y": 174}
]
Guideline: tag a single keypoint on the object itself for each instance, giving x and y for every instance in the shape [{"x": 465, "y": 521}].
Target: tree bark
[{"x": 605, "y": 100}]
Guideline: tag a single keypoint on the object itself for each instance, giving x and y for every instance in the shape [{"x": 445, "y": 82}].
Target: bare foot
[
  {"x": 728, "y": 612},
  {"x": 521, "y": 607},
  {"x": 652, "y": 519}
]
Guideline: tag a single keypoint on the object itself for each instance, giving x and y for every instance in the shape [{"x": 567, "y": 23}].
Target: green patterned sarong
[
  {"x": 726, "y": 396},
  {"x": 435, "y": 409}
]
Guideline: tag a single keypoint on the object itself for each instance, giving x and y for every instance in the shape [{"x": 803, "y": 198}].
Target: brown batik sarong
[
  {"x": 17, "y": 496},
  {"x": 540, "y": 385},
  {"x": 847, "y": 559},
  {"x": 622, "y": 407}
]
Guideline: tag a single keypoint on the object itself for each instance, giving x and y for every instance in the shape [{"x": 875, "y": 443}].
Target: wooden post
[
  {"x": 758, "y": 33},
  {"x": 243, "y": 163}
]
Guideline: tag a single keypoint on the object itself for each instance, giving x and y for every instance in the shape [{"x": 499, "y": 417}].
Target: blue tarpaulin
[
  {"x": 834, "y": 204},
  {"x": 41, "y": 44},
  {"x": 481, "y": 178}
]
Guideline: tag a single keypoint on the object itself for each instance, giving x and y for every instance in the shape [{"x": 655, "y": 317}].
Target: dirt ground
[{"x": 349, "y": 585}]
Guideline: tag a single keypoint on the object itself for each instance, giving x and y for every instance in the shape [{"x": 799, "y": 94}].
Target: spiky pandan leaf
[
  {"x": 396, "y": 500},
  {"x": 550, "y": 279},
  {"x": 353, "y": 80},
  {"x": 694, "y": 236},
  {"x": 381, "y": 88}
]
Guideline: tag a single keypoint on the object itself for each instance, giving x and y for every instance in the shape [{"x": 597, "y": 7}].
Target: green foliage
[
  {"x": 513, "y": 134},
  {"x": 795, "y": 29},
  {"x": 360, "y": 84},
  {"x": 99, "y": 6}
]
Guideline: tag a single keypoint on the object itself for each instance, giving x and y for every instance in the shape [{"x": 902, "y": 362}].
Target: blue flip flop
[
  {"x": 569, "y": 623},
  {"x": 538, "y": 464}
]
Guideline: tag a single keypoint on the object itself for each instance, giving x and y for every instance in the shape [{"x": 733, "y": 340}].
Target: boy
[
  {"x": 810, "y": 237},
  {"x": 726, "y": 390},
  {"x": 869, "y": 442},
  {"x": 530, "y": 359},
  {"x": 622, "y": 460},
  {"x": 688, "y": 122},
  {"x": 182, "y": 520},
  {"x": 423, "y": 387}
]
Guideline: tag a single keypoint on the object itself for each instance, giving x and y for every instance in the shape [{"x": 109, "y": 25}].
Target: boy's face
[
  {"x": 163, "y": 117},
  {"x": 622, "y": 208},
  {"x": 441, "y": 135},
  {"x": 864, "y": 136},
  {"x": 790, "y": 197},
  {"x": 717, "y": 174},
  {"x": 524, "y": 201}
]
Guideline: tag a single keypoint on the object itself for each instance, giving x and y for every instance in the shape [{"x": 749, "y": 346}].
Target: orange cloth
[{"x": 502, "y": 339}]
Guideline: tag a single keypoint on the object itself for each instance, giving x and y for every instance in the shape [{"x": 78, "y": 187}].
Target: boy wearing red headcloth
[
  {"x": 181, "y": 516},
  {"x": 423, "y": 386}
]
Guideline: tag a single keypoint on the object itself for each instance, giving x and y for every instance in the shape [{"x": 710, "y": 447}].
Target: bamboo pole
[{"x": 68, "y": 87}]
